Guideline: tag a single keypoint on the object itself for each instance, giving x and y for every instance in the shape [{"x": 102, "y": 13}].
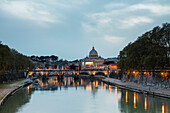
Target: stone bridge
[{"x": 67, "y": 72}]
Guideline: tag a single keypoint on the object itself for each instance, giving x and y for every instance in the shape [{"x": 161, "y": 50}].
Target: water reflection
[
  {"x": 109, "y": 99},
  {"x": 54, "y": 84},
  {"x": 145, "y": 103},
  {"x": 140, "y": 103},
  {"x": 13, "y": 105}
]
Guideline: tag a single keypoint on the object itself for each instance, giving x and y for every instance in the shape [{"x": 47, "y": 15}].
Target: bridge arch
[
  {"x": 84, "y": 73},
  {"x": 100, "y": 73}
]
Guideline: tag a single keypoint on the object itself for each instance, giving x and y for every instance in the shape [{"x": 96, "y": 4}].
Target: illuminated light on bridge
[
  {"x": 116, "y": 72},
  {"x": 30, "y": 73},
  {"x": 145, "y": 104},
  {"x": 42, "y": 73},
  {"x": 105, "y": 73},
  {"x": 164, "y": 74},
  {"x": 93, "y": 73},
  {"x": 113, "y": 67},
  {"x": 146, "y": 73},
  {"x": 135, "y": 73},
  {"x": 128, "y": 72}
]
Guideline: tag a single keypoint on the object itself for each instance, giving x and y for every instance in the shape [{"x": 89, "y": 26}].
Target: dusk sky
[{"x": 70, "y": 28}]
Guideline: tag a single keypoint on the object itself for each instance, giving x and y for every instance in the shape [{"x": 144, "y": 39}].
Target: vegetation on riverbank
[
  {"x": 12, "y": 64},
  {"x": 149, "y": 51},
  {"x": 11, "y": 60},
  {"x": 147, "y": 60}
]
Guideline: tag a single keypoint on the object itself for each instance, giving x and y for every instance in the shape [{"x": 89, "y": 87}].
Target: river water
[{"x": 81, "y": 96}]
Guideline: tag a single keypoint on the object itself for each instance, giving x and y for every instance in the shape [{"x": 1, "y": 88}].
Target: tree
[
  {"x": 11, "y": 60},
  {"x": 149, "y": 51}
]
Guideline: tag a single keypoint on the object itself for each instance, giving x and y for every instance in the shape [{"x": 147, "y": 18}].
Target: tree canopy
[
  {"x": 11, "y": 60},
  {"x": 149, "y": 51}
]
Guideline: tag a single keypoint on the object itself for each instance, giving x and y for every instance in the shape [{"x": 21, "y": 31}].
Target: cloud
[
  {"x": 87, "y": 27},
  {"x": 114, "y": 40},
  {"x": 29, "y": 10},
  {"x": 125, "y": 16},
  {"x": 114, "y": 5},
  {"x": 153, "y": 8},
  {"x": 131, "y": 22}
]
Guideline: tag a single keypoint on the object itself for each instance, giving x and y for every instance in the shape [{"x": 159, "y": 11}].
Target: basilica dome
[{"x": 93, "y": 53}]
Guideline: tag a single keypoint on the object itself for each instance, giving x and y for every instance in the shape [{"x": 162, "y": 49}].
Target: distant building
[
  {"x": 93, "y": 61},
  {"x": 112, "y": 63}
]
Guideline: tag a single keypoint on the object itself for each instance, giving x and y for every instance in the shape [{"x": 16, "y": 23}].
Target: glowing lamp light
[
  {"x": 88, "y": 63},
  {"x": 135, "y": 73},
  {"x": 164, "y": 74},
  {"x": 30, "y": 73}
]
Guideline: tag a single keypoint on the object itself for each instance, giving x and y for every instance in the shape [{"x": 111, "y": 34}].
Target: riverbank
[
  {"x": 11, "y": 76},
  {"x": 6, "y": 90},
  {"x": 156, "y": 91}
]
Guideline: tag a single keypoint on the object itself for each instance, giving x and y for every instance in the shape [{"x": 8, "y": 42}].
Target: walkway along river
[{"x": 81, "y": 96}]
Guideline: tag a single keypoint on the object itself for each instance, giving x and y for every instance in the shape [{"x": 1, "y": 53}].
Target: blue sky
[{"x": 69, "y": 28}]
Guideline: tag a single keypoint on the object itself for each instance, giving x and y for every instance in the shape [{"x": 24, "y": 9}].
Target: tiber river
[{"x": 82, "y": 96}]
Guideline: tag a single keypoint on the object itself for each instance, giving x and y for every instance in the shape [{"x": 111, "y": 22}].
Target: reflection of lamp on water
[
  {"x": 126, "y": 96},
  {"x": 110, "y": 89},
  {"x": 145, "y": 104},
  {"x": 81, "y": 82},
  {"x": 105, "y": 85},
  {"x": 77, "y": 83},
  {"x": 88, "y": 88},
  {"x": 101, "y": 85},
  {"x": 115, "y": 90},
  {"x": 134, "y": 100},
  {"x": 97, "y": 83},
  {"x": 65, "y": 83},
  {"x": 42, "y": 84},
  {"x": 94, "y": 83},
  {"x": 163, "y": 108},
  {"x": 28, "y": 89}
]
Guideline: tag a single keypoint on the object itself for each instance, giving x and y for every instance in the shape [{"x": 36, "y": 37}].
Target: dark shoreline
[{"x": 138, "y": 88}]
